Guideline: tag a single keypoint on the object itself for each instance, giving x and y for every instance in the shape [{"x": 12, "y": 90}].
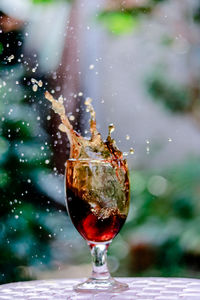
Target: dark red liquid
[{"x": 89, "y": 225}]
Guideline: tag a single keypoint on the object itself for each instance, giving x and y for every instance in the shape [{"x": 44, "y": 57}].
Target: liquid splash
[
  {"x": 83, "y": 148},
  {"x": 100, "y": 190}
]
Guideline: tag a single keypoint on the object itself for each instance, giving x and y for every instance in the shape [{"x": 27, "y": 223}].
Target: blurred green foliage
[
  {"x": 24, "y": 234},
  {"x": 175, "y": 97},
  {"x": 117, "y": 22},
  {"x": 196, "y": 15},
  {"x": 162, "y": 230},
  {"x": 1, "y": 48},
  {"x": 42, "y": 1},
  {"x": 126, "y": 19}
]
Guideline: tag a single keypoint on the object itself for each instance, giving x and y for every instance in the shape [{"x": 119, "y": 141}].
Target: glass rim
[{"x": 95, "y": 160}]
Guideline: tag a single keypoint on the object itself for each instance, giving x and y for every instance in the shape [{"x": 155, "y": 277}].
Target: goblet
[{"x": 97, "y": 198}]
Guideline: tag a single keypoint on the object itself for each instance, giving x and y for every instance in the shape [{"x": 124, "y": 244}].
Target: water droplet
[
  {"x": 40, "y": 83},
  {"x": 71, "y": 118},
  {"x": 47, "y": 161},
  {"x": 131, "y": 151},
  {"x": 35, "y": 87},
  {"x": 62, "y": 128},
  {"x": 111, "y": 128},
  {"x": 127, "y": 137},
  {"x": 60, "y": 99},
  {"x": 91, "y": 67},
  {"x": 88, "y": 101},
  {"x": 11, "y": 57}
]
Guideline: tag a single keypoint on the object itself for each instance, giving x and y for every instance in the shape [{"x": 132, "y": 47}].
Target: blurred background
[{"x": 140, "y": 62}]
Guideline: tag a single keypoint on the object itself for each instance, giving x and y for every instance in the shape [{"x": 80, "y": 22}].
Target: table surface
[{"x": 139, "y": 289}]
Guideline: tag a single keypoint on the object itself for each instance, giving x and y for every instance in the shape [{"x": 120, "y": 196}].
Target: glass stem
[{"x": 99, "y": 261}]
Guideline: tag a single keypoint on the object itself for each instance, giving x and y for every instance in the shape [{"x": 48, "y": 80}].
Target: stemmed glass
[{"x": 97, "y": 198}]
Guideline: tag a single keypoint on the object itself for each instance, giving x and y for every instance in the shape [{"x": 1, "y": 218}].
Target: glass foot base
[{"x": 101, "y": 285}]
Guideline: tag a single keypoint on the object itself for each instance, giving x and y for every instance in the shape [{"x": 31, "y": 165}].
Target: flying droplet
[
  {"x": 62, "y": 128},
  {"x": 61, "y": 99},
  {"x": 33, "y": 80},
  {"x": 40, "y": 83},
  {"x": 131, "y": 151},
  {"x": 11, "y": 57},
  {"x": 71, "y": 118},
  {"x": 127, "y": 137},
  {"x": 111, "y": 128},
  {"x": 35, "y": 87},
  {"x": 88, "y": 101},
  {"x": 91, "y": 67}
]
